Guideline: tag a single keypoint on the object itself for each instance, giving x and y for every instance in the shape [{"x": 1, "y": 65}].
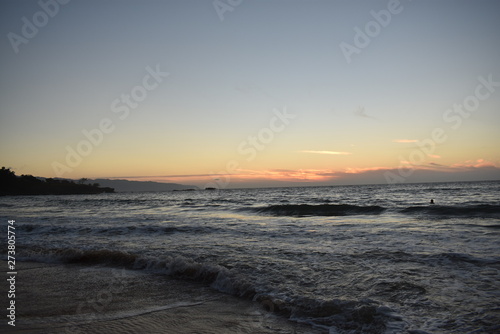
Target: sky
[{"x": 251, "y": 93}]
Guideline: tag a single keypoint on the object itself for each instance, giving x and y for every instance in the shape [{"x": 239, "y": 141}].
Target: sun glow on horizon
[{"x": 281, "y": 177}]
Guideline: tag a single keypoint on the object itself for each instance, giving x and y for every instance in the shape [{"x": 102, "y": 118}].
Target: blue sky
[{"x": 227, "y": 76}]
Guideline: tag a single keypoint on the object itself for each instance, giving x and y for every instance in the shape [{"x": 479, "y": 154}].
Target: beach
[{"x": 56, "y": 298}]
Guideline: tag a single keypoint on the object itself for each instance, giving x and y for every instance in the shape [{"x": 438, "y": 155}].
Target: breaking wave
[
  {"x": 440, "y": 211},
  {"x": 301, "y": 210},
  {"x": 483, "y": 210},
  {"x": 355, "y": 315}
]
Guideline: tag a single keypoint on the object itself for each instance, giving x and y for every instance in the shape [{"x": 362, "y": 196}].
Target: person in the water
[{"x": 432, "y": 201}]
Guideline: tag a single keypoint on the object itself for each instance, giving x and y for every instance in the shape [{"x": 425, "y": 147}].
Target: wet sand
[{"x": 54, "y": 298}]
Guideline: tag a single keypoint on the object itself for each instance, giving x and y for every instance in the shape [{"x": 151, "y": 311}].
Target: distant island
[{"x": 30, "y": 185}]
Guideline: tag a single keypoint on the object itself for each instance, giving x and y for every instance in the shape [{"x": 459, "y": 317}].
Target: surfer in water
[{"x": 432, "y": 201}]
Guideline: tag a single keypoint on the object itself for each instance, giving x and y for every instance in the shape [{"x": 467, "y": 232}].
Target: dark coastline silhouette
[{"x": 11, "y": 184}]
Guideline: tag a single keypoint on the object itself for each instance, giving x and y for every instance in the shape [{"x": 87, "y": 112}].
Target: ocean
[{"x": 339, "y": 259}]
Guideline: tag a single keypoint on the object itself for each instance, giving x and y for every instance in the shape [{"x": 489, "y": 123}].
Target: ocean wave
[
  {"x": 48, "y": 229},
  {"x": 110, "y": 201},
  {"x": 219, "y": 277},
  {"x": 337, "y": 315},
  {"x": 112, "y": 231},
  {"x": 492, "y": 226},
  {"x": 357, "y": 316},
  {"x": 444, "y": 258},
  {"x": 301, "y": 210},
  {"x": 437, "y": 258},
  {"x": 482, "y": 210}
]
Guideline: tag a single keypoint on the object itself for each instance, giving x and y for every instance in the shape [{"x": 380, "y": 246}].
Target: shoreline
[{"x": 71, "y": 298}]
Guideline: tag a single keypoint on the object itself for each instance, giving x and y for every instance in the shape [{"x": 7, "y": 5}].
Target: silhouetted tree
[{"x": 30, "y": 185}]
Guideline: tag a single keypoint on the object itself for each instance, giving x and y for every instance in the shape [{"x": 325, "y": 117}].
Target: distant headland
[
  {"x": 143, "y": 186},
  {"x": 30, "y": 185}
]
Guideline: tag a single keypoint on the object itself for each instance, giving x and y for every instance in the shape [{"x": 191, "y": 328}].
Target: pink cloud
[
  {"x": 405, "y": 140},
  {"x": 479, "y": 169},
  {"x": 327, "y": 152},
  {"x": 479, "y": 163}
]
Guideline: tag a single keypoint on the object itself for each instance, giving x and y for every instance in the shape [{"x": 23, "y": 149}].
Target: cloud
[
  {"x": 361, "y": 112},
  {"x": 432, "y": 172},
  {"x": 327, "y": 152},
  {"x": 405, "y": 140},
  {"x": 473, "y": 164},
  {"x": 470, "y": 170},
  {"x": 150, "y": 177}
]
